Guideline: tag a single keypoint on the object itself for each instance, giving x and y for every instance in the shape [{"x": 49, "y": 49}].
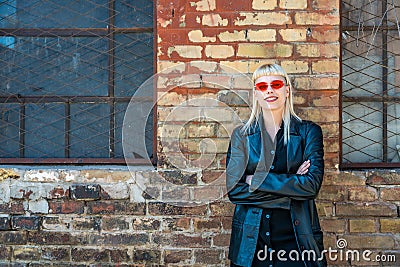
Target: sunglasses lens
[
  {"x": 277, "y": 84},
  {"x": 262, "y": 86}
]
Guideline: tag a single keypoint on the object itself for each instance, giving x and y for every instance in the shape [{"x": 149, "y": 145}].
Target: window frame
[
  {"x": 384, "y": 99},
  {"x": 109, "y": 31}
]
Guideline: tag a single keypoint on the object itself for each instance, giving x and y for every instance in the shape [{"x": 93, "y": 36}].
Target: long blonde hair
[{"x": 276, "y": 70}]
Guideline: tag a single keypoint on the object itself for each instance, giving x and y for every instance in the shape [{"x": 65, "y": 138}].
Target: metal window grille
[
  {"x": 68, "y": 69},
  {"x": 370, "y": 84}
]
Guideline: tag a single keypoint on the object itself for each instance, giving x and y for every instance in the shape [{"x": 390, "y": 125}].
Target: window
[
  {"x": 370, "y": 84},
  {"x": 68, "y": 70}
]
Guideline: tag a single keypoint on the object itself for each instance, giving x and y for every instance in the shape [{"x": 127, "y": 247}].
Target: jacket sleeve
[
  {"x": 298, "y": 186},
  {"x": 238, "y": 189}
]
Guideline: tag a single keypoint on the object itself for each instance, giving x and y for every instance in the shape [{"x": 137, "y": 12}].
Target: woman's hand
[
  {"x": 303, "y": 169},
  {"x": 248, "y": 179}
]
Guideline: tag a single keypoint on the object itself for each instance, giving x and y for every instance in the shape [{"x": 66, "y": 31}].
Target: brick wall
[{"x": 207, "y": 51}]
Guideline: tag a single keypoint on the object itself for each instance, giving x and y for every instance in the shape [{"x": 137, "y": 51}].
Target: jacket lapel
[{"x": 260, "y": 143}]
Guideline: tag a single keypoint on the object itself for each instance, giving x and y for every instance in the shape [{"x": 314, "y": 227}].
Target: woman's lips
[{"x": 271, "y": 98}]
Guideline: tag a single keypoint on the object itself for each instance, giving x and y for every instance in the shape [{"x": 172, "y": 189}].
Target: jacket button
[
  {"x": 272, "y": 152},
  {"x": 272, "y": 167},
  {"x": 267, "y": 216},
  {"x": 296, "y": 222}
]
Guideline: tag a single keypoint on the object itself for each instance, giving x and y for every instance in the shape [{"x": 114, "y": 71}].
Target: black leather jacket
[{"x": 268, "y": 190}]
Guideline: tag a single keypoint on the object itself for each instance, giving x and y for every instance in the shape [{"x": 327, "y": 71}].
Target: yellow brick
[
  {"x": 213, "y": 20},
  {"x": 283, "y": 50},
  {"x": 295, "y": 66},
  {"x": 171, "y": 130},
  {"x": 331, "y": 35},
  {"x": 326, "y": 66},
  {"x": 253, "y": 65},
  {"x": 265, "y": 35},
  {"x": 214, "y": 145},
  {"x": 308, "y": 50},
  {"x": 357, "y": 226},
  {"x": 330, "y": 50},
  {"x": 203, "y": 66},
  {"x": 255, "y": 50},
  {"x": 308, "y": 18},
  {"x": 242, "y": 82},
  {"x": 269, "y": 18},
  {"x": 298, "y": 99},
  {"x": 264, "y": 4},
  {"x": 319, "y": 114},
  {"x": 196, "y": 36},
  {"x": 264, "y": 51},
  {"x": 234, "y": 66},
  {"x": 201, "y": 130},
  {"x": 170, "y": 99},
  {"x": 293, "y": 35},
  {"x": 186, "y": 51},
  {"x": 327, "y": 100},
  {"x": 204, "y": 5},
  {"x": 219, "y": 51},
  {"x": 293, "y": 4},
  {"x": 234, "y": 36},
  {"x": 390, "y": 225},
  {"x": 170, "y": 67},
  {"x": 326, "y": 4}
]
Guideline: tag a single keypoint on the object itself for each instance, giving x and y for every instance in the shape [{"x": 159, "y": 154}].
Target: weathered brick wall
[{"x": 207, "y": 51}]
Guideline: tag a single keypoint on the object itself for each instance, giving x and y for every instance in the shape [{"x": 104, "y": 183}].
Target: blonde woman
[{"x": 275, "y": 168}]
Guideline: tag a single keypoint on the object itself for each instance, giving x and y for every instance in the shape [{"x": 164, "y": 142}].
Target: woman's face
[{"x": 271, "y": 92}]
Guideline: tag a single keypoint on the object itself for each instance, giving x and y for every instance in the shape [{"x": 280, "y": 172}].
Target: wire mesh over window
[
  {"x": 370, "y": 83},
  {"x": 68, "y": 69}
]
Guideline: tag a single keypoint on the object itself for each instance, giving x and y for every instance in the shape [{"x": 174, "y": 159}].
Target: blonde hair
[{"x": 269, "y": 70}]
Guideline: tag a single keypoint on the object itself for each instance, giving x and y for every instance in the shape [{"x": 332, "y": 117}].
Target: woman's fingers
[{"x": 303, "y": 169}]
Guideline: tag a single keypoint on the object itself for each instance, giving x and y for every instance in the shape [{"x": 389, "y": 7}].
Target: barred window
[
  {"x": 370, "y": 84},
  {"x": 68, "y": 70}
]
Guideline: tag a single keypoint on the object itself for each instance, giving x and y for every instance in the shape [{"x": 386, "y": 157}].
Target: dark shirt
[{"x": 276, "y": 229}]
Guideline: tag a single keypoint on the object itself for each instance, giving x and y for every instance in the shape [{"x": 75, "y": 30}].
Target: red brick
[
  {"x": 106, "y": 207},
  {"x": 91, "y": 255},
  {"x": 66, "y": 207},
  {"x": 13, "y": 237},
  {"x": 157, "y": 208},
  {"x": 182, "y": 240},
  {"x": 146, "y": 256},
  {"x": 221, "y": 240},
  {"x": 12, "y": 207},
  {"x": 5, "y": 253},
  {"x": 177, "y": 256},
  {"x": 208, "y": 256},
  {"x": 25, "y": 222},
  {"x": 210, "y": 224},
  {"x": 52, "y": 238},
  {"x": 56, "y": 253}
]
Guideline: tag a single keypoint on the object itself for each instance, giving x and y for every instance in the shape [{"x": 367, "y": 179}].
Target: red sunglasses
[{"x": 276, "y": 84}]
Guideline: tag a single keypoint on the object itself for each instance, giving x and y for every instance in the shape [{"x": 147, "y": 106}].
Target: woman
[{"x": 274, "y": 171}]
